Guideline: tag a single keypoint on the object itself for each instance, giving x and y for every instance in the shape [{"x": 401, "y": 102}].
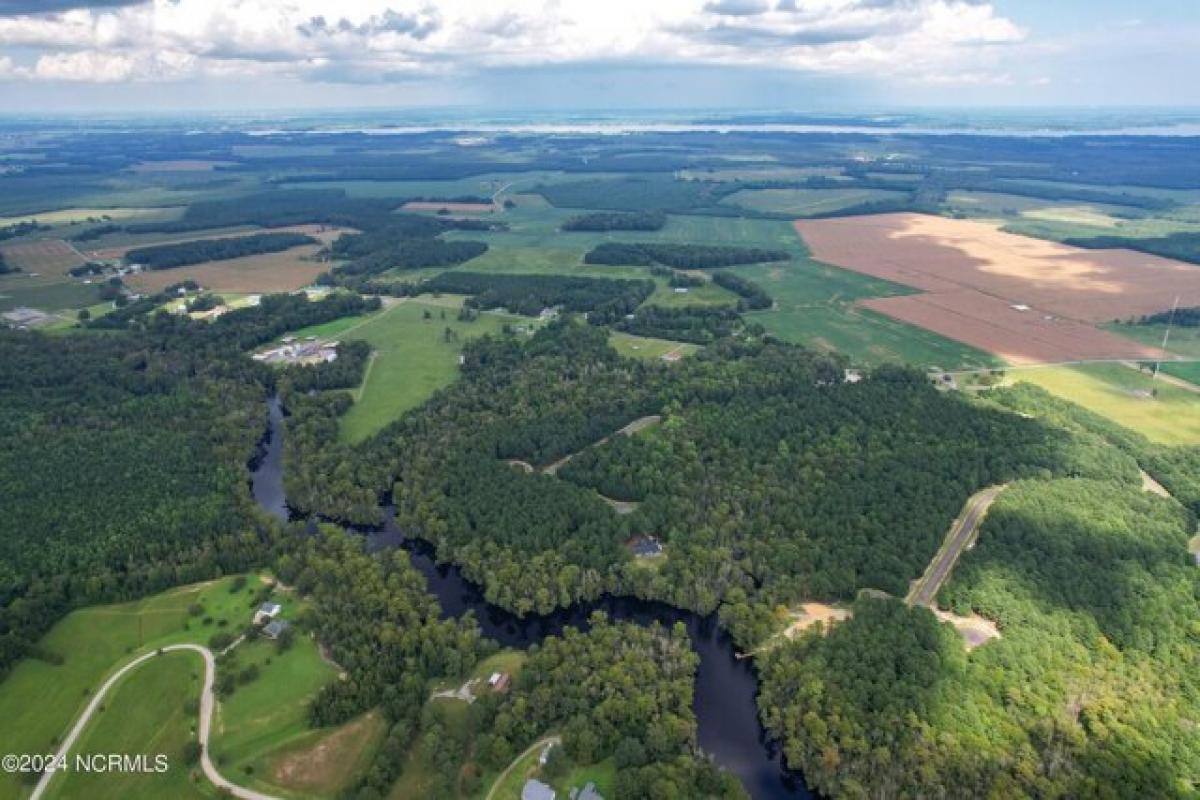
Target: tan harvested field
[
  {"x": 324, "y": 233},
  {"x": 457, "y": 208},
  {"x": 974, "y": 274},
  {"x": 266, "y": 272},
  {"x": 44, "y": 256}
]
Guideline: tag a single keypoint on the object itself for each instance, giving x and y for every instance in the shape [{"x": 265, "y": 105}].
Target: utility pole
[{"x": 1166, "y": 336}]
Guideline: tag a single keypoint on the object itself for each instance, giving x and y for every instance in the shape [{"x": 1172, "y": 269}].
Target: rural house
[
  {"x": 267, "y": 612},
  {"x": 536, "y": 790}
]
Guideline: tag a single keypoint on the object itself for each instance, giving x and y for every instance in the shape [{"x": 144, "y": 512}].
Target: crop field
[
  {"x": 1184, "y": 342},
  {"x": 455, "y": 208},
  {"x": 49, "y": 295},
  {"x": 805, "y": 202},
  {"x": 412, "y": 358},
  {"x": 150, "y": 712},
  {"x": 46, "y": 256},
  {"x": 1162, "y": 412},
  {"x": 1026, "y": 300},
  {"x": 266, "y": 272},
  {"x": 67, "y": 216}
]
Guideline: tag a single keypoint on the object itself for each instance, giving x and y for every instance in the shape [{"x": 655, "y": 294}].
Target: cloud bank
[{"x": 374, "y": 41}]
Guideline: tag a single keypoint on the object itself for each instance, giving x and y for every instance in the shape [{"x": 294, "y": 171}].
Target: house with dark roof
[{"x": 275, "y": 628}]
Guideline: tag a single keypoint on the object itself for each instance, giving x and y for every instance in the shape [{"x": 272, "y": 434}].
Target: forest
[
  {"x": 599, "y": 221},
  {"x": 680, "y": 256},
  {"x": 605, "y": 299},
  {"x": 754, "y": 297},
  {"x": 133, "y": 452},
  {"x": 696, "y": 324},
  {"x": 182, "y": 254},
  {"x": 276, "y": 209},
  {"x": 1183, "y": 246},
  {"x": 1184, "y": 317},
  {"x": 1090, "y": 691}
]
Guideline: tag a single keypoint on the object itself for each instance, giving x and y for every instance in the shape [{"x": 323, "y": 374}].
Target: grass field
[
  {"x": 323, "y": 763},
  {"x": 39, "y": 700},
  {"x": 1123, "y": 395},
  {"x": 646, "y": 348},
  {"x": 412, "y": 357},
  {"x": 150, "y": 712},
  {"x": 47, "y": 295},
  {"x": 814, "y": 306},
  {"x": 1183, "y": 341},
  {"x": 67, "y": 216},
  {"x": 805, "y": 202},
  {"x": 258, "y": 719}
]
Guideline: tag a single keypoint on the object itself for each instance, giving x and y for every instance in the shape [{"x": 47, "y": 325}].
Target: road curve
[
  {"x": 962, "y": 534},
  {"x": 207, "y": 706}
]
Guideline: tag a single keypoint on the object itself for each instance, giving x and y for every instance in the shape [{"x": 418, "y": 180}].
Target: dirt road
[
  {"x": 961, "y": 536},
  {"x": 207, "y": 706}
]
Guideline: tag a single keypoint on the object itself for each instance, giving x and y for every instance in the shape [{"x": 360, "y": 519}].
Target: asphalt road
[
  {"x": 207, "y": 706},
  {"x": 962, "y": 534}
]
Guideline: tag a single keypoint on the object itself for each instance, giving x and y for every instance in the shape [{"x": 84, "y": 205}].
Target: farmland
[{"x": 1025, "y": 300}]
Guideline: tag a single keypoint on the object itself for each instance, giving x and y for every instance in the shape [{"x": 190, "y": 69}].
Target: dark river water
[{"x": 727, "y": 718}]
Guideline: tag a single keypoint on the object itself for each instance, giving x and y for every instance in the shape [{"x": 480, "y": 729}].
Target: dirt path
[
  {"x": 639, "y": 424},
  {"x": 207, "y": 706},
  {"x": 961, "y": 536},
  {"x": 547, "y": 740}
]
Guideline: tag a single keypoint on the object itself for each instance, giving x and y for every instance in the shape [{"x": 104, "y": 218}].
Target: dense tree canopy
[{"x": 182, "y": 254}]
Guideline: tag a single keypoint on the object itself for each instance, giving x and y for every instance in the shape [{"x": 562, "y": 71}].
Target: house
[
  {"x": 587, "y": 793},
  {"x": 500, "y": 682},
  {"x": 647, "y": 547},
  {"x": 275, "y": 628},
  {"x": 536, "y": 790},
  {"x": 267, "y": 611},
  {"x": 681, "y": 290},
  {"x": 852, "y": 376}
]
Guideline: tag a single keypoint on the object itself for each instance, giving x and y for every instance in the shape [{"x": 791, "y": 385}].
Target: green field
[
  {"x": 44, "y": 293},
  {"x": 1170, "y": 416},
  {"x": 1182, "y": 342},
  {"x": 39, "y": 700},
  {"x": 412, "y": 357},
  {"x": 806, "y": 202},
  {"x": 646, "y": 348},
  {"x": 269, "y": 713},
  {"x": 151, "y": 711},
  {"x": 814, "y": 306}
]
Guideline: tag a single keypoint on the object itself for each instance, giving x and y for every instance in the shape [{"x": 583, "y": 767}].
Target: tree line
[
  {"x": 680, "y": 256},
  {"x": 182, "y": 254}
]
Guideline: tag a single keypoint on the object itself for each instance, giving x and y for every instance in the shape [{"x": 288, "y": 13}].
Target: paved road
[
  {"x": 207, "y": 706},
  {"x": 962, "y": 534}
]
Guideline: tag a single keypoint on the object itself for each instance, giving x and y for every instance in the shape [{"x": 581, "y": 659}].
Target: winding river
[{"x": 727, "y": 717}]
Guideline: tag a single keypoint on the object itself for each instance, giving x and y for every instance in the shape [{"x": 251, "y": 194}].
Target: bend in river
[{"x": 728, "y": 728}]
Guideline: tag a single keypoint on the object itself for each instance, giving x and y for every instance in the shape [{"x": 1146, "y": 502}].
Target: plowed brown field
[{"x": 1026, "y": 300}]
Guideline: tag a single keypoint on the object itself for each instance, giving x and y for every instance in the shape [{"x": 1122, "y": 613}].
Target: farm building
[
  {"x": 267, "y": 611},
  {"x": 536, "y": 790}
]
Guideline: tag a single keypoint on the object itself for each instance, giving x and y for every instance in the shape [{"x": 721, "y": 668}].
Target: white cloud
[{"x": 362, "y": 40}]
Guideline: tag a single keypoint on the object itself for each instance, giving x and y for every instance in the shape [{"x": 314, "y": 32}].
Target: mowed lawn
[
  {"x": 412, "y": 358},
  {"x": 1170, "y": 416},
  {"x": 150, "y": 712}
]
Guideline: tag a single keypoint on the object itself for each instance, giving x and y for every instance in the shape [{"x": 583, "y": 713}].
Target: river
[{"x": 728, "y": 728}]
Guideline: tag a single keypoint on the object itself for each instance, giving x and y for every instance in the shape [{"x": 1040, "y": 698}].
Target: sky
[{"x": 804, "y": 55}]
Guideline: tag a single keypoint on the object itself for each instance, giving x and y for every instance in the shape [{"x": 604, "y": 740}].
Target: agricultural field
[
  {"x": 1161, "y": 411},
  {"x": 806, "y": 202},
  {"x": 43, "y": 256},
  {"x": 262, "y": 273},
  {"x": 1024, "y": 300},
  {"x": 1183, "y": 342},
  {"x": 70, "y": 216}
]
